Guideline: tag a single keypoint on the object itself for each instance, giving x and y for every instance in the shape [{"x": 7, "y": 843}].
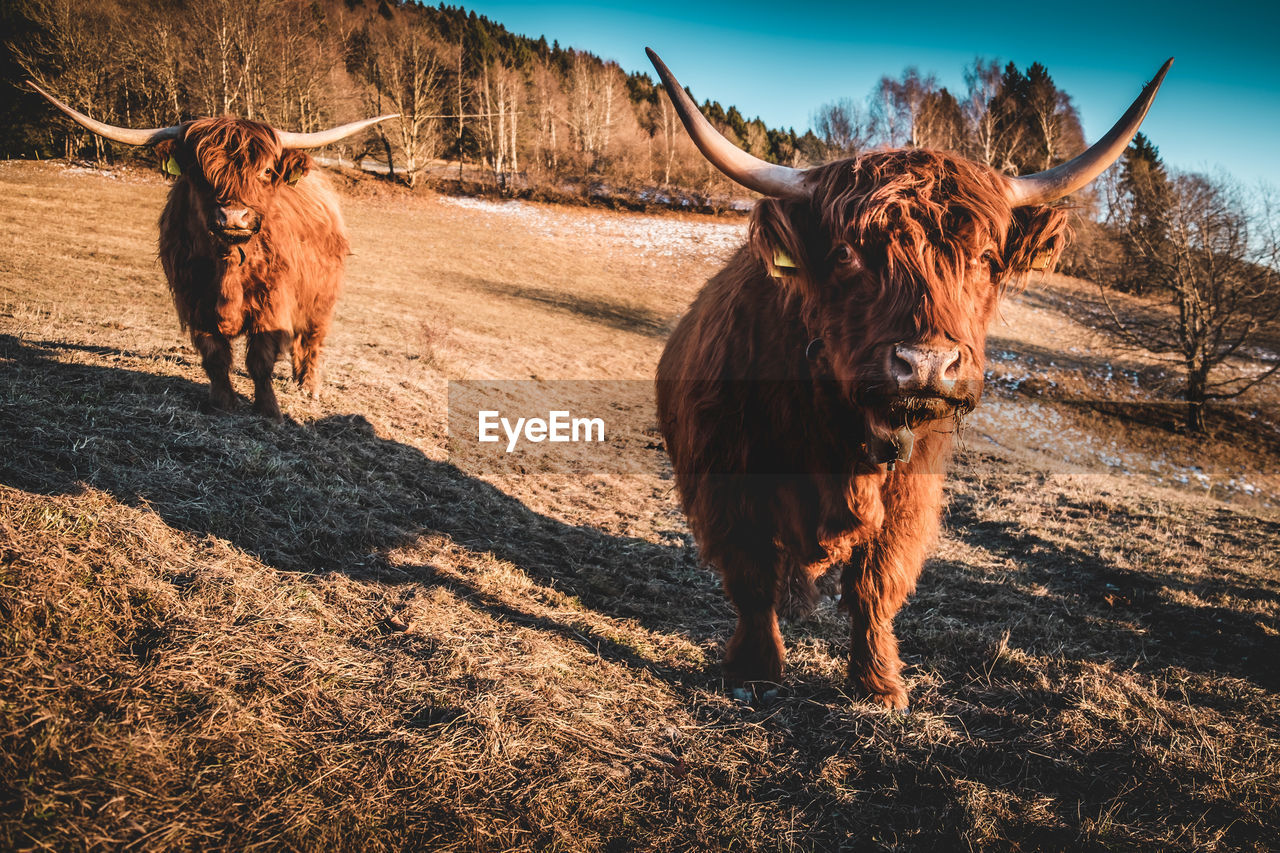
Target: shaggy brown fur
[
  {"x": 253, "y": 244},
  {"x": 774, "y": 450}
]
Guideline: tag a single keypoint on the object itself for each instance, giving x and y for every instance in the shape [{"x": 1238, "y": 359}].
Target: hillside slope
[{"x": 221, "y": 633}]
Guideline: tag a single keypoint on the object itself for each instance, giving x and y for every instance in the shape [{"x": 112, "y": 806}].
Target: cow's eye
[{"x": 845, "y": 256}]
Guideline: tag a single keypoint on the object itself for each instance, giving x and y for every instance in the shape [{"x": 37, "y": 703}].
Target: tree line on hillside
[
  {"x": 525, "y": 112},
  {"x": 528, "y": 117}
]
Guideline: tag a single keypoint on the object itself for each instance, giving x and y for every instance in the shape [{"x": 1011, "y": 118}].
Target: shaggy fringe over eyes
[
  {"x": 917, "y": 216},
  {"x": 233, "y": 153},
  {"x": 921, "y": 218}
]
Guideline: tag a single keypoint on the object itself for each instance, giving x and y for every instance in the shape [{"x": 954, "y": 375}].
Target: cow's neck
[
  {"x": 234, "y": 256},
  {"x": 236, "y": 260}
]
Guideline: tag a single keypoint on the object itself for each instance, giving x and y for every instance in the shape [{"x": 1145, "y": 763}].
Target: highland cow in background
[{"x": 252, "y": 243}]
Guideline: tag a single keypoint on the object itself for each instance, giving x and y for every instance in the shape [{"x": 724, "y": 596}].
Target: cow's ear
[
  {"x": 776, "y": 238},
  {"x": 1036, "y": 239},
  {"x": 293, "y": 165},
  {"x": 166, "y": 152}
]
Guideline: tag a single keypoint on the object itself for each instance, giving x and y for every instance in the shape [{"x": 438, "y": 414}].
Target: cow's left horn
[
  {"x": 321, "y": 138},
  {"x": 1053, "y": 184},
  {"x": 127, "y": 135},
  {"x": 752, "y": 172}
]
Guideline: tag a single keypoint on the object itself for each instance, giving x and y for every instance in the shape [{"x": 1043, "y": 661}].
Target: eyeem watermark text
[{"x": 558, "y": 426}]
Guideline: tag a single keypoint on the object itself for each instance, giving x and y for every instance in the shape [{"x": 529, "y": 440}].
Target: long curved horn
[
  {"x": 321, "y": 138},
  {"x": 752, "y": 172},
  {"x": 127, "y": 135},
  {"x": 1053, "y": 184}
]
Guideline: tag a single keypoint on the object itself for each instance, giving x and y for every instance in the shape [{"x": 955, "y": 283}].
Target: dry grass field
[{"x": 220, "y": 633}]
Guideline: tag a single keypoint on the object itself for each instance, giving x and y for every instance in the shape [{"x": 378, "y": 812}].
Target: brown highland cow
[
  {"x": 810, "y": 396},
  {"x": 251, "y": 241}
]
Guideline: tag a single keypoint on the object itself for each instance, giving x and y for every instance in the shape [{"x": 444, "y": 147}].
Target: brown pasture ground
[{"x": 219, "y": 633}]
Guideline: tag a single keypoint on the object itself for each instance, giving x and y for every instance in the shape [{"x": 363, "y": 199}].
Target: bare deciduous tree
[
  {"x": 939, "y": 123},
  {"x": 842, "y": 128},
  {"x": 547, "y": 102},
  {"x": 593, "y": 95},
  {"x": 897, "y": 105},
  {"x": 1054, "y": 124},
  {"x": 73, "y": 33},
  {"x": 411, "y": 76},
  {"x": 669, "y": 131},
  {"x": 499, "y": 93},
  {"x": 982, "y": 85},
  {"x": 1215, "y": 272}
]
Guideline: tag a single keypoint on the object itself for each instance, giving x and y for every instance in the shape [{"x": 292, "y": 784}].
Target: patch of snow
[{"x": 654, "y": 236}]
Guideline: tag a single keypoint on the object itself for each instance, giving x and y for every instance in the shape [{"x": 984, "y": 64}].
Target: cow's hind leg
[
  {"x": 215, "y": 357},
  {"x": 306, "y": 361},
  {"x": 264, "y": 350},
  {"x": 750, "y": 571}
]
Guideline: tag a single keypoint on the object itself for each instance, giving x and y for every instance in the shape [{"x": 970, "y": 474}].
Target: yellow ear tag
[
  {"x": 171, "y": 167},
  {"x": 1041, "y": 261},
  {"x": 294, "y": 176},
  {"x": 781, "y": 263}
]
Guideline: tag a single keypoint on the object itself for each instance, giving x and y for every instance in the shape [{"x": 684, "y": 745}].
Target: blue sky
[{"x": 1219, "y": 107}]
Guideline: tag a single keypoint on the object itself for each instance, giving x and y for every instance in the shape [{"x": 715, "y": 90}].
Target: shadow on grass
[
  {"x": 1134, "y": 610},
  {"x": 324, "y": 496},
  {"x": 333, "y": 496},
  {"x": 618, "y": 315}
]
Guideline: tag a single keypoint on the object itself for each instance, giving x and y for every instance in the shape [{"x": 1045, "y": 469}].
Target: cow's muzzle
[
  {"x": 235, "y": 224},
  {"x": 925, "y": 370},
  {"x": 914, "y": 409},
  {"x": 926, "y": 382}
]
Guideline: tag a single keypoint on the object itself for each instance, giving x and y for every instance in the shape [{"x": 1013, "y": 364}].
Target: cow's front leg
[
  {"x": 264, "y": 351},
  {"x": 873, "y": 596},
  {"x": 749, "y": 567},
  {"x": 215, "y": 357},
  {"x": 879, "y": 578}
]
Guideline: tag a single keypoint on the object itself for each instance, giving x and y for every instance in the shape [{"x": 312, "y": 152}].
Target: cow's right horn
[
  {"x": 1053, "y": 184},
  {"x": 321, "y": 138},
  {"x": 127, "y": 135},
  {"x": 752, "y": 172}
]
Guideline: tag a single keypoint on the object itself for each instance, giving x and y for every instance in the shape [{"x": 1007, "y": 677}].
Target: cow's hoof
[
  {"x": 888, "y": 693},
  {"x": 756, "y": 694},
  {"x": 210, "y": 406},
  {"x": 271, "y": 413},
  {"x": 750, "y": 665},
  {"x": 891, "y": 701}
]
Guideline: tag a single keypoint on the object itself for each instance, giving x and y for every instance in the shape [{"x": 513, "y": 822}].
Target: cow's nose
[
  {"x": 234, "y": 218},
  {"x": 925, "y": 368}
]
